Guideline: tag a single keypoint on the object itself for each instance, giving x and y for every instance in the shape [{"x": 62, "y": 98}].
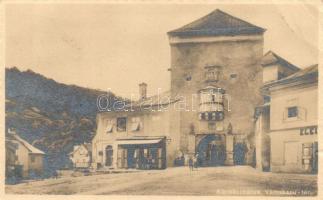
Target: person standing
[
  {"x": 195, "y": 159},
  {"x": 149, "y": 162},
  {"x": 190, "y": 164},
  {"x": 55, "y": 174}
]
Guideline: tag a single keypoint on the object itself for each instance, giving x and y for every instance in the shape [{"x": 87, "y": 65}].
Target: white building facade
[
  {"x": 293, "y": 122},
  {"x": 81, "y": 156}
]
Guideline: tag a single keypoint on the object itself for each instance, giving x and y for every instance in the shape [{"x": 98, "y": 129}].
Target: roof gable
[
  {"x": 87, "y": 147},
  {"x": 215, "y": 24},
  {"x": 309, "y": 74},
  {"x": 271, "y": 58},
  {"x": 311, "y": 70},
  {"x": 28, "y": 146}
]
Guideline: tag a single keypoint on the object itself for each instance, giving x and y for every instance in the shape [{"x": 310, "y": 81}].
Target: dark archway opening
[
  {"x": 211, "y": 151},
  {"x": 239, "y": 153}
]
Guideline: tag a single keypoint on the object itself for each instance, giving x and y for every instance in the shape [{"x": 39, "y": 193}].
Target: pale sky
[{"x": 103, "y": 46}]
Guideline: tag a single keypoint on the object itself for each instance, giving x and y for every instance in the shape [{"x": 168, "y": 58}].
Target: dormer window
[{"x": 212, "y": 73}]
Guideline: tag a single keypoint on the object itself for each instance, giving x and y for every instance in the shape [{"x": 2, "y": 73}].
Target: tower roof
[{"x": 217, "y": 23}]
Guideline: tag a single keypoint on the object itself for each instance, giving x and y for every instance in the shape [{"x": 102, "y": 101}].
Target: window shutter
[
  {"x": 135, "y": 126},
  {"x": 119, "y": 158},
  {"x": 200, "y": 116},
  {"x": 302, "y": 113},
  {"x": 109, "y": 127},
  {"x": 285, "y": 113}
]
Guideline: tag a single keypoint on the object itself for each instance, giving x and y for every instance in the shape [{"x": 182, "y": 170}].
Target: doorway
[
  {"x": 239, "y": 152},
  {"x": 211, "y": 151},
  {"x": 315, "y": 158},
  {"x": 108, "y": 155}
]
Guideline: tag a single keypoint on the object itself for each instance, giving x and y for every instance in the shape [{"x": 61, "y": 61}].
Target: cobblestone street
[{"x": 238, "y": 180}]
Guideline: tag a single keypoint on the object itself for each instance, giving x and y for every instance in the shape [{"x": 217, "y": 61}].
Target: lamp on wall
[{"x": 230, "y": 128}]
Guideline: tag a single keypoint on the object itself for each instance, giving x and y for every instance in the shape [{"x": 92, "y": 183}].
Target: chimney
[{"x": 142, "y": 91}]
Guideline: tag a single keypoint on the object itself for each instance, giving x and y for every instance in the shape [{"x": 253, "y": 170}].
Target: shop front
[
  {"x": 309, "y": 150},
  {"x": 295, "y": 151},
  {"x": 141, "y": 153}
]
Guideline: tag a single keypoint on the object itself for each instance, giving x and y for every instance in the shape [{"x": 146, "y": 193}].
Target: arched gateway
[{"x": 211, "y": 150}]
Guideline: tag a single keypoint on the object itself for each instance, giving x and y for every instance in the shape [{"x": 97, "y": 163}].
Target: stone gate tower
[{"x": 215, "y": 69}]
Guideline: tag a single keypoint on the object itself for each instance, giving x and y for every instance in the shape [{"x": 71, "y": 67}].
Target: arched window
[{"x": 108, "y": 155}]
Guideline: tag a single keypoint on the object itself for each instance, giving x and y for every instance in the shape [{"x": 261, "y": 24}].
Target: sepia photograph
[{"x": 161, "y": 99}]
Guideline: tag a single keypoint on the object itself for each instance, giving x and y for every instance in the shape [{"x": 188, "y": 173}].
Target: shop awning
[{"x": 139, "y": 141}]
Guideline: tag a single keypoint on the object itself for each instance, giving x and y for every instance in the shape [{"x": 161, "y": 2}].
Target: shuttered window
[{"x": 136, "y": 124}]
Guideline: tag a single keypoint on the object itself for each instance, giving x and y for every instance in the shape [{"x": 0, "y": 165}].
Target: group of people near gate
[
  {"x": 193, "y": 162},
  {"x": 146, "y": 162},
  {"x": 142, "y": 162}
]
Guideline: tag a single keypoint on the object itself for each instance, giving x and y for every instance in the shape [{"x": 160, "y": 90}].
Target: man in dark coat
[{"x": 190, "y": 164}]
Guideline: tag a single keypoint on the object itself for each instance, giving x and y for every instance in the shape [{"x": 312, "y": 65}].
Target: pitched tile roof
[
  {"x": 217, "y": 23},
  {"x": 160, "y": 99},
  {"x": 31, "y": 148},
  {"x": 272, "y": 58},
  {"x": 313, "y": 69},
  {"x": 308, "y": 73},
  {"x": 87, "y": 146}
]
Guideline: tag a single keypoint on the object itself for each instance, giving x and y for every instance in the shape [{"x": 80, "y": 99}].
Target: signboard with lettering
[{"x": 310, "y": 130}]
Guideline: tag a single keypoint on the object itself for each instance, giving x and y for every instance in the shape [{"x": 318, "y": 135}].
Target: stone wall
[{"x": 235, "y": 57}]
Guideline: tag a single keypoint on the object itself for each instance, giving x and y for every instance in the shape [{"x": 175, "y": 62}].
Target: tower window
[
  {"x": 212, "y": 73},
  {"x": 233, "y": 76}
]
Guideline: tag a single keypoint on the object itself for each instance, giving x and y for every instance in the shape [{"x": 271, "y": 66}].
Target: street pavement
[{"x": 236, "y": 180}]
